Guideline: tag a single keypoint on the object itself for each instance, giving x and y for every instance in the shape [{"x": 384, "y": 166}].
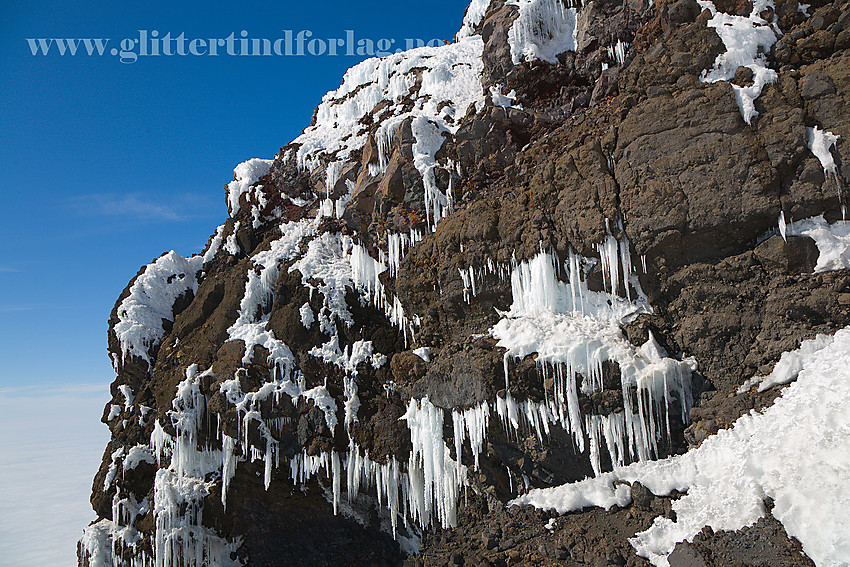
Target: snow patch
[
  {"x": 747, "y": 39},
  {"x": 140, "y": 315},
  {"x": 475, "y": 13},
  {"x": 803, "y": 470},
  {"x": 832, "y": 240},
  {"x": 245, "y": 174},
  {"x": 821, "y": 143}
]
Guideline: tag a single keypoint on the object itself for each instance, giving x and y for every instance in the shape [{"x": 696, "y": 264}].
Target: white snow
[
  {"x": 747, "y": 39},
  {"x": 424, "y": 353},
  {"x": 472, "y": 18},
  {"x": 328, "y": 261},
  {"x": 832, "y": 240},
  {"x": 804, "y": 469},
  {"x": 136, "y": 455},
  {"x": 789, "y": 365},
  {"x": 507, "y": 100},
  {"x": 231, "y": 246},
  {"x": 215, "y": 244},
  {"x": 250, "y": 326},
  {"x": 127, "y": 392},
  {"x": 181, "y": 539},
  {"x": 821, "y": 143},
  {"x": 307, "y": 316},
  {"x": 442, "y": 82},
  {"x": 573, "y": 331},
  {"x": 245, "y": 174},
  {"x": 365, "y": 272},
  {"x": 97, "y": 543},
  {"x": 152, "y": 296},
  {"x": 450, "y": 83},
  {"x": 543, "y": 30}
]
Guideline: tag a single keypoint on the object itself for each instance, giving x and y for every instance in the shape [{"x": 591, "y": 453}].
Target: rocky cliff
[{"x": 564, "y": 243}]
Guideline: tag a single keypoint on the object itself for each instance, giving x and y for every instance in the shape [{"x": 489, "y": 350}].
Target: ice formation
[
  {"x": 450, "y": 83},
  {"x": 397, "y": 245},
  {"x": 832, "y": 240},
  {"x": 728, "y": 477},
  {"x": 179, "y": 489},
  {"x": 507, "y": 100},
  {"x": 617, "y": 52},
  {"x": 151, "y": 299},
  {"x": 475, "y": 13},
  {"x": 245, "y": 175},
  {"x": 573, "y": 331},
  {"x": 543, "y": 30},
  {"x": 821, "y": 143},
  {"x": 231, "y": 246},
  {"x": 747, "y": 39}
]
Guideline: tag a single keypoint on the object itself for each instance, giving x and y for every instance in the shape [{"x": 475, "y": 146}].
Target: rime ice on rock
[
  {"x": 475, "y": 13},
  {"x": 245, "y": 174},
  {"x": 543, "y": 30},
  {"x": 747, "y": 39},
  {"x": 729, "y": 476},
  {"x": 573, "y": 331},
  {"x": 152, "y": 296},
  {"x": 832, "y": 240},
  {"x": 822, "y": 143},
  {"x": 450, "y": 83}
]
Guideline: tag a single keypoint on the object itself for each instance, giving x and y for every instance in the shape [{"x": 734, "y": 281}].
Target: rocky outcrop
[{"x": 334, "y": 349}]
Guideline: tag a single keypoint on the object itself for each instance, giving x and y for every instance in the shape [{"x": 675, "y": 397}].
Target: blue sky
[{"x": 107, "y": 165}]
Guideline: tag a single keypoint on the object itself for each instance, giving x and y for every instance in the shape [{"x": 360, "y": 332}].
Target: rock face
[{"x": 338, "y": 379}]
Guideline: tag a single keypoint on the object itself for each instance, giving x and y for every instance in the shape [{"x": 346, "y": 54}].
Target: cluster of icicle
[
  {"x": 179, "y": 490},
  {"x": 572, "y": 331},
  {"x": 441, "y": 83}
]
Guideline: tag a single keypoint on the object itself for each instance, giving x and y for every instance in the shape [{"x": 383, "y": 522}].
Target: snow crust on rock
[
  {"x": 245, "y": 174},
  {"x": 747, "y": 39},
  {"x": 789, "y": 365},
  {"x": 180, "y": 540},
  {"x": 250, "y": 325},
  {"x": 442, "y": 83},
  {"x": 821, "y": 143},
  {"x": 832, "y": 240},
  {"x": 151, "y": 299},
  {"x": 475, "y": 13},
  {"x": 231, "y": 245},
  {"x": 96, "y": 543},
  {"x": 543, "y": 30},
  {"x": 727, "y": 478},
  {"x": 573, "y": 331}
]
